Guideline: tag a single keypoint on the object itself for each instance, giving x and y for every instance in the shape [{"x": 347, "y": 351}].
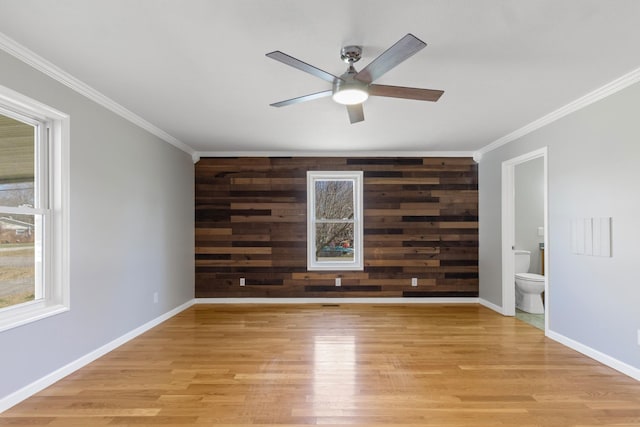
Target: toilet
[{"x": 529, "y": 286}]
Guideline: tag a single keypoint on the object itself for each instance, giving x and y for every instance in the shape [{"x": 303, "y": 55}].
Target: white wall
[
  {"x": 131, "y": 234},
  {"x": 593, "y": 172},
  {"x": 529, "y": 209}
]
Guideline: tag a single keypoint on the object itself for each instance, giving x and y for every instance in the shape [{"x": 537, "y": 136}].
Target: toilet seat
[{"x": 531, "y": 277}]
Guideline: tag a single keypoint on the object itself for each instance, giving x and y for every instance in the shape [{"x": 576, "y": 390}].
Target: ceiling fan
[{"x": 354, "y": 87}]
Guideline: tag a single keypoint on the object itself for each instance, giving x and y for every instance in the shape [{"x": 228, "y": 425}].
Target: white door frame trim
[{"x": 508, "y": 232}]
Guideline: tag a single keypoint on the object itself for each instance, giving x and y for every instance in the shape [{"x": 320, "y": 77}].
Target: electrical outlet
[
  {"x": 338, "y": 281},
  {"x": 414, "y": 281},
  {"x": 242, "y": 281},
  {"x": 155, "y": 297}
]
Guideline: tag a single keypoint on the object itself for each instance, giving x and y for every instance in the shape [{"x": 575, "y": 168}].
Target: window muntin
[{"x": 334, "y": 240}]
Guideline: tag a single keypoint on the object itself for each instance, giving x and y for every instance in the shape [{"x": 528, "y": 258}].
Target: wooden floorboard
[{"x": 336, "y": 364}]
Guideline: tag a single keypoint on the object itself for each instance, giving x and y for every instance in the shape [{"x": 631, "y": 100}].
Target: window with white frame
[
  {"x": 33, "y": 217},
  {"x": 334, "y": 220}
]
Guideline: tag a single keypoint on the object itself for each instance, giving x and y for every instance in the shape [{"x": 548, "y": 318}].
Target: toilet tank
[{"x": 521, "y": 261}]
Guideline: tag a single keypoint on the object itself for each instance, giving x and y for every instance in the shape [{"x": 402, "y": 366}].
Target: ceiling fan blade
[
  {"x": 303, "y": 66},
  {"x": 304, "y": 98},
  {"x": 356, "y": 113},
  {"x": 405, "y": 92},
  {"x": 402, "y": 50}
]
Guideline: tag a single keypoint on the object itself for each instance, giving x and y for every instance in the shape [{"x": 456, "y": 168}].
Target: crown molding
[
  {"x": 580, "y": 103},
  {"x": 201, "y": 154},
  {"x": 34, "y": 60}
]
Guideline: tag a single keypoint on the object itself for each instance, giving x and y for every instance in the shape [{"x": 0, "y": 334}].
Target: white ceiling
[{"x": 197, "y": 69}]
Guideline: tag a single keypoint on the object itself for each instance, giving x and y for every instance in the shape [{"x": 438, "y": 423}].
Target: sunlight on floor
[{"x": 334, "y": 372}]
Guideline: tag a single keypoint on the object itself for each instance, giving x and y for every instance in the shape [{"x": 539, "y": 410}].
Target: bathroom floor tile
[{"x": 536, "y": 320}]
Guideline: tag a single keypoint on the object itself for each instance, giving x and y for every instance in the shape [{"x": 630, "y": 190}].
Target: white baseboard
[
  {"x": 44, "y": 382},
  {"x": 579, "y": 347},
  {"x": 408, "y": 300},
  {"x": 490, "y": 305},
  {"x": 596, "y": 355}
]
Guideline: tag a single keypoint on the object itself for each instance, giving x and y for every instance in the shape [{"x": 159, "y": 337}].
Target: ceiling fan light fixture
[{"x": 350, "y": 96}]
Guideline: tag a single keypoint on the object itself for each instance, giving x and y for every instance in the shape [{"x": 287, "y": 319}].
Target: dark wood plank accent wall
[{"x": 420, "y": 220}]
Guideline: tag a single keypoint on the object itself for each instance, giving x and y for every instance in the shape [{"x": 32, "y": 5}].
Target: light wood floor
[{"x": 367, "y": 365}]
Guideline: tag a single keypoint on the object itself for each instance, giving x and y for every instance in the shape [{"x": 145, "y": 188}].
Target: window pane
[
  {"x": 17, "y": 163},
  {"x": 334, "y": 199},
  {"x": 334, "y": 242},
  {"x": 17, "y": 259}
]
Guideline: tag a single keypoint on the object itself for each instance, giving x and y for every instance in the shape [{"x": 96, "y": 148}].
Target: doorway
[{"x": 509, "y": 221}]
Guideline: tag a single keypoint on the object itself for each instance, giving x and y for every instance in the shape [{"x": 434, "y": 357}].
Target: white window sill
[{"x": 26, "y": 313}]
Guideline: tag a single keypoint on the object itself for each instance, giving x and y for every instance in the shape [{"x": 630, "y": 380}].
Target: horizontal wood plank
[{"x": 420, "y": 220}]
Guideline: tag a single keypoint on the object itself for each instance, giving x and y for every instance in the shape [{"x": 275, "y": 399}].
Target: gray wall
[
  {"x": 593, "y": 172},
  {"x": 131, "y": 233},
  {"x": 529, "y": 209}
]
